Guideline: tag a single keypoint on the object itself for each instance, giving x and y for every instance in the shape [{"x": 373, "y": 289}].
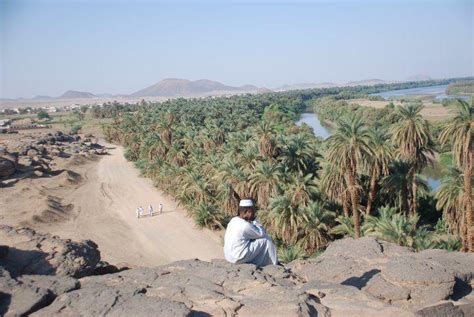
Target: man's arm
[{"x": 254, "y": 230}]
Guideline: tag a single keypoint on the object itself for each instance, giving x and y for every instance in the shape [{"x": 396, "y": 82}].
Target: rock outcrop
[
  {"x": 7, "y": 165},
  {"x": 37, "y": 156},
  {"x": 33, "y": 253},
  {"x": 362, "y": 277},
  {"x": 392, "y": 274}
]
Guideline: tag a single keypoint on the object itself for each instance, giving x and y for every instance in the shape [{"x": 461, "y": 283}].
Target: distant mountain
[
  {"x": 41, "y": 97},
  {"x": 306, "y": 86},
  {"x": 183, "y": 87},
  {"x": 249, "y": 87},
  {"x": 366, "y": 82},
  {"x": 419, "y": 77},
  {"x": 105, "y": 95},
  {"x": 73, "y": 94}
]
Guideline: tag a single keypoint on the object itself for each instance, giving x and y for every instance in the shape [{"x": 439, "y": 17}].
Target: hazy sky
[{"x": 48, "y": 47}]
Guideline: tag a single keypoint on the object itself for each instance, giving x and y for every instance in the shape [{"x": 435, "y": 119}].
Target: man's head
[{"x": 247, "y": 210}]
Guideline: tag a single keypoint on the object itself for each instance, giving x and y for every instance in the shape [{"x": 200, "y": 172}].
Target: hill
[
  {"x": 183, "y": 87},
  {"x": 73, "y": 94}
]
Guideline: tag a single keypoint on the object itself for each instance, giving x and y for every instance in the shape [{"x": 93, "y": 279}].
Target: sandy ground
[
  {"x": 431, "y": 111},
  {"x": 102, "y": 207}
]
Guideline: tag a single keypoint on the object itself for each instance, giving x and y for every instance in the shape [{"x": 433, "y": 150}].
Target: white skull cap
[{"x": 246, "y": 203}]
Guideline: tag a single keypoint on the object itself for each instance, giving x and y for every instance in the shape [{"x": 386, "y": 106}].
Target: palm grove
[{"x": 364, "y": 180}]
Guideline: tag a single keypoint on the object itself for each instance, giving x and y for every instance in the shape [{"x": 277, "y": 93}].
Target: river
[
  {"x": 438, "y": 92},
  {"x": 322, "y": 130}
]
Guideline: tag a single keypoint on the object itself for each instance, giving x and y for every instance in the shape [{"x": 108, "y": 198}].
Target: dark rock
[
  {"x": 7, "y": 167},
  {"x": 44, "y": 254},
  {"x": 3, "y": 251},
  {"x": 441, "y": 310}
]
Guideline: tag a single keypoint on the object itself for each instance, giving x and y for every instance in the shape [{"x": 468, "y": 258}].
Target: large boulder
[
  {"x": 392, "y": 274},
  {"x": 7, "y": 167},
  {"x": 209, "y": 288},
  {"x": 27, "y": 294},
  {"x": 44, "y": 254}
]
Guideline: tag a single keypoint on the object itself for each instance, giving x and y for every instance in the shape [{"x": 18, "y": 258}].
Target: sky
[{"x": 104, "y": 46}]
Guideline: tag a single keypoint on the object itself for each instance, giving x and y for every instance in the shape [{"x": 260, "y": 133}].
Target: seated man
[{"x": 245, "y": 239}]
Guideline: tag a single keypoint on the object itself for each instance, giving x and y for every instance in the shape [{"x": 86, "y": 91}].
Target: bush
[
  {"x": 75, "y": 128},
  {"x": 43, "y": 115},
  {"x": 288, "y": 254}
]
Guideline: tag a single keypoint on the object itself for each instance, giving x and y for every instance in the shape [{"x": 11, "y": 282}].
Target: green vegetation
[
  {"x": 43, "y": 115},
  {"x": 461, "y": 88},
  {"x": 208, "y": 153}
]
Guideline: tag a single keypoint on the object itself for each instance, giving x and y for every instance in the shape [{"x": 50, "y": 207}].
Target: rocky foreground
[{"x": 43, "y": 275}]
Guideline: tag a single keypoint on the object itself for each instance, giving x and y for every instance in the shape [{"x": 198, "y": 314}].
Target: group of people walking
[{"x": 141, "y": 211}]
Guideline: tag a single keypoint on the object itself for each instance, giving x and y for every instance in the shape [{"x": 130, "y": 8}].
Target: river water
[
  {"x": 438, "y": 92},
  {"x": 322, "y": 130}
]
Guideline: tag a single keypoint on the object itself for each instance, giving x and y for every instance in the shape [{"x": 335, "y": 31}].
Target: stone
[
  {"x": 4, "y": 251},
  {"x": 441, "y": 310},
  {"x": 427, "y": 280},
  {"x": 7, "y": 167},
  {"x": 32, "y": 153},
  {"x": 34, "y": 253}
]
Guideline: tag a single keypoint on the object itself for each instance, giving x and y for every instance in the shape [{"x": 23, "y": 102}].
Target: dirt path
[{"x": 107, "y": 202}]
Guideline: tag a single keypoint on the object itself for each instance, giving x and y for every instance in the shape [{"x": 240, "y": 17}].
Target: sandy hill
[
  {"x": 184, "y": 87},
  {"x": 73, "y": 94},
  {"x": 42, "y": 97}
]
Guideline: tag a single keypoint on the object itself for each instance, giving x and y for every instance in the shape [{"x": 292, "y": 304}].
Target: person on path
[
  {"x": 142, "y": 211},
  {"x": 160, "y": 211},
  {"x": 138, "y": 212},
  {"x": 245, "y": 238},
  {"x": 150, "y": 210}
]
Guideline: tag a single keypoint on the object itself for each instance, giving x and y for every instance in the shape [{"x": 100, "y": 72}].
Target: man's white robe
[{"x": 246, "y": 242}]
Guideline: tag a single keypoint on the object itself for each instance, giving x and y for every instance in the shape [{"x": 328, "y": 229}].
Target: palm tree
[
  {"x": 263, "y": 182},
  {"x": 301, "y": 189},
  {"x": 208, "y": 215},
  {"x": 283, "y": 218},
  {"x": 450, "y": 196},
  {"x": 379, "y": 162},
  {"x": 411, "y": 135},
  {"x": 396, "y": 184},
  {"x": 349, "y": 148},
  {"x": 333, "y": 185},
  {"x": 314, "y": 231},
  {"x": 233, "y": 174},
  {"x": 298, "y": 154},
  {"x": 165, "y": 126},
  {"x": 459, "y": 132},
  {"x": 266, "y": 142},
  {"x": 345, "y": 227},
  {"x": 392, "y": 227}
]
